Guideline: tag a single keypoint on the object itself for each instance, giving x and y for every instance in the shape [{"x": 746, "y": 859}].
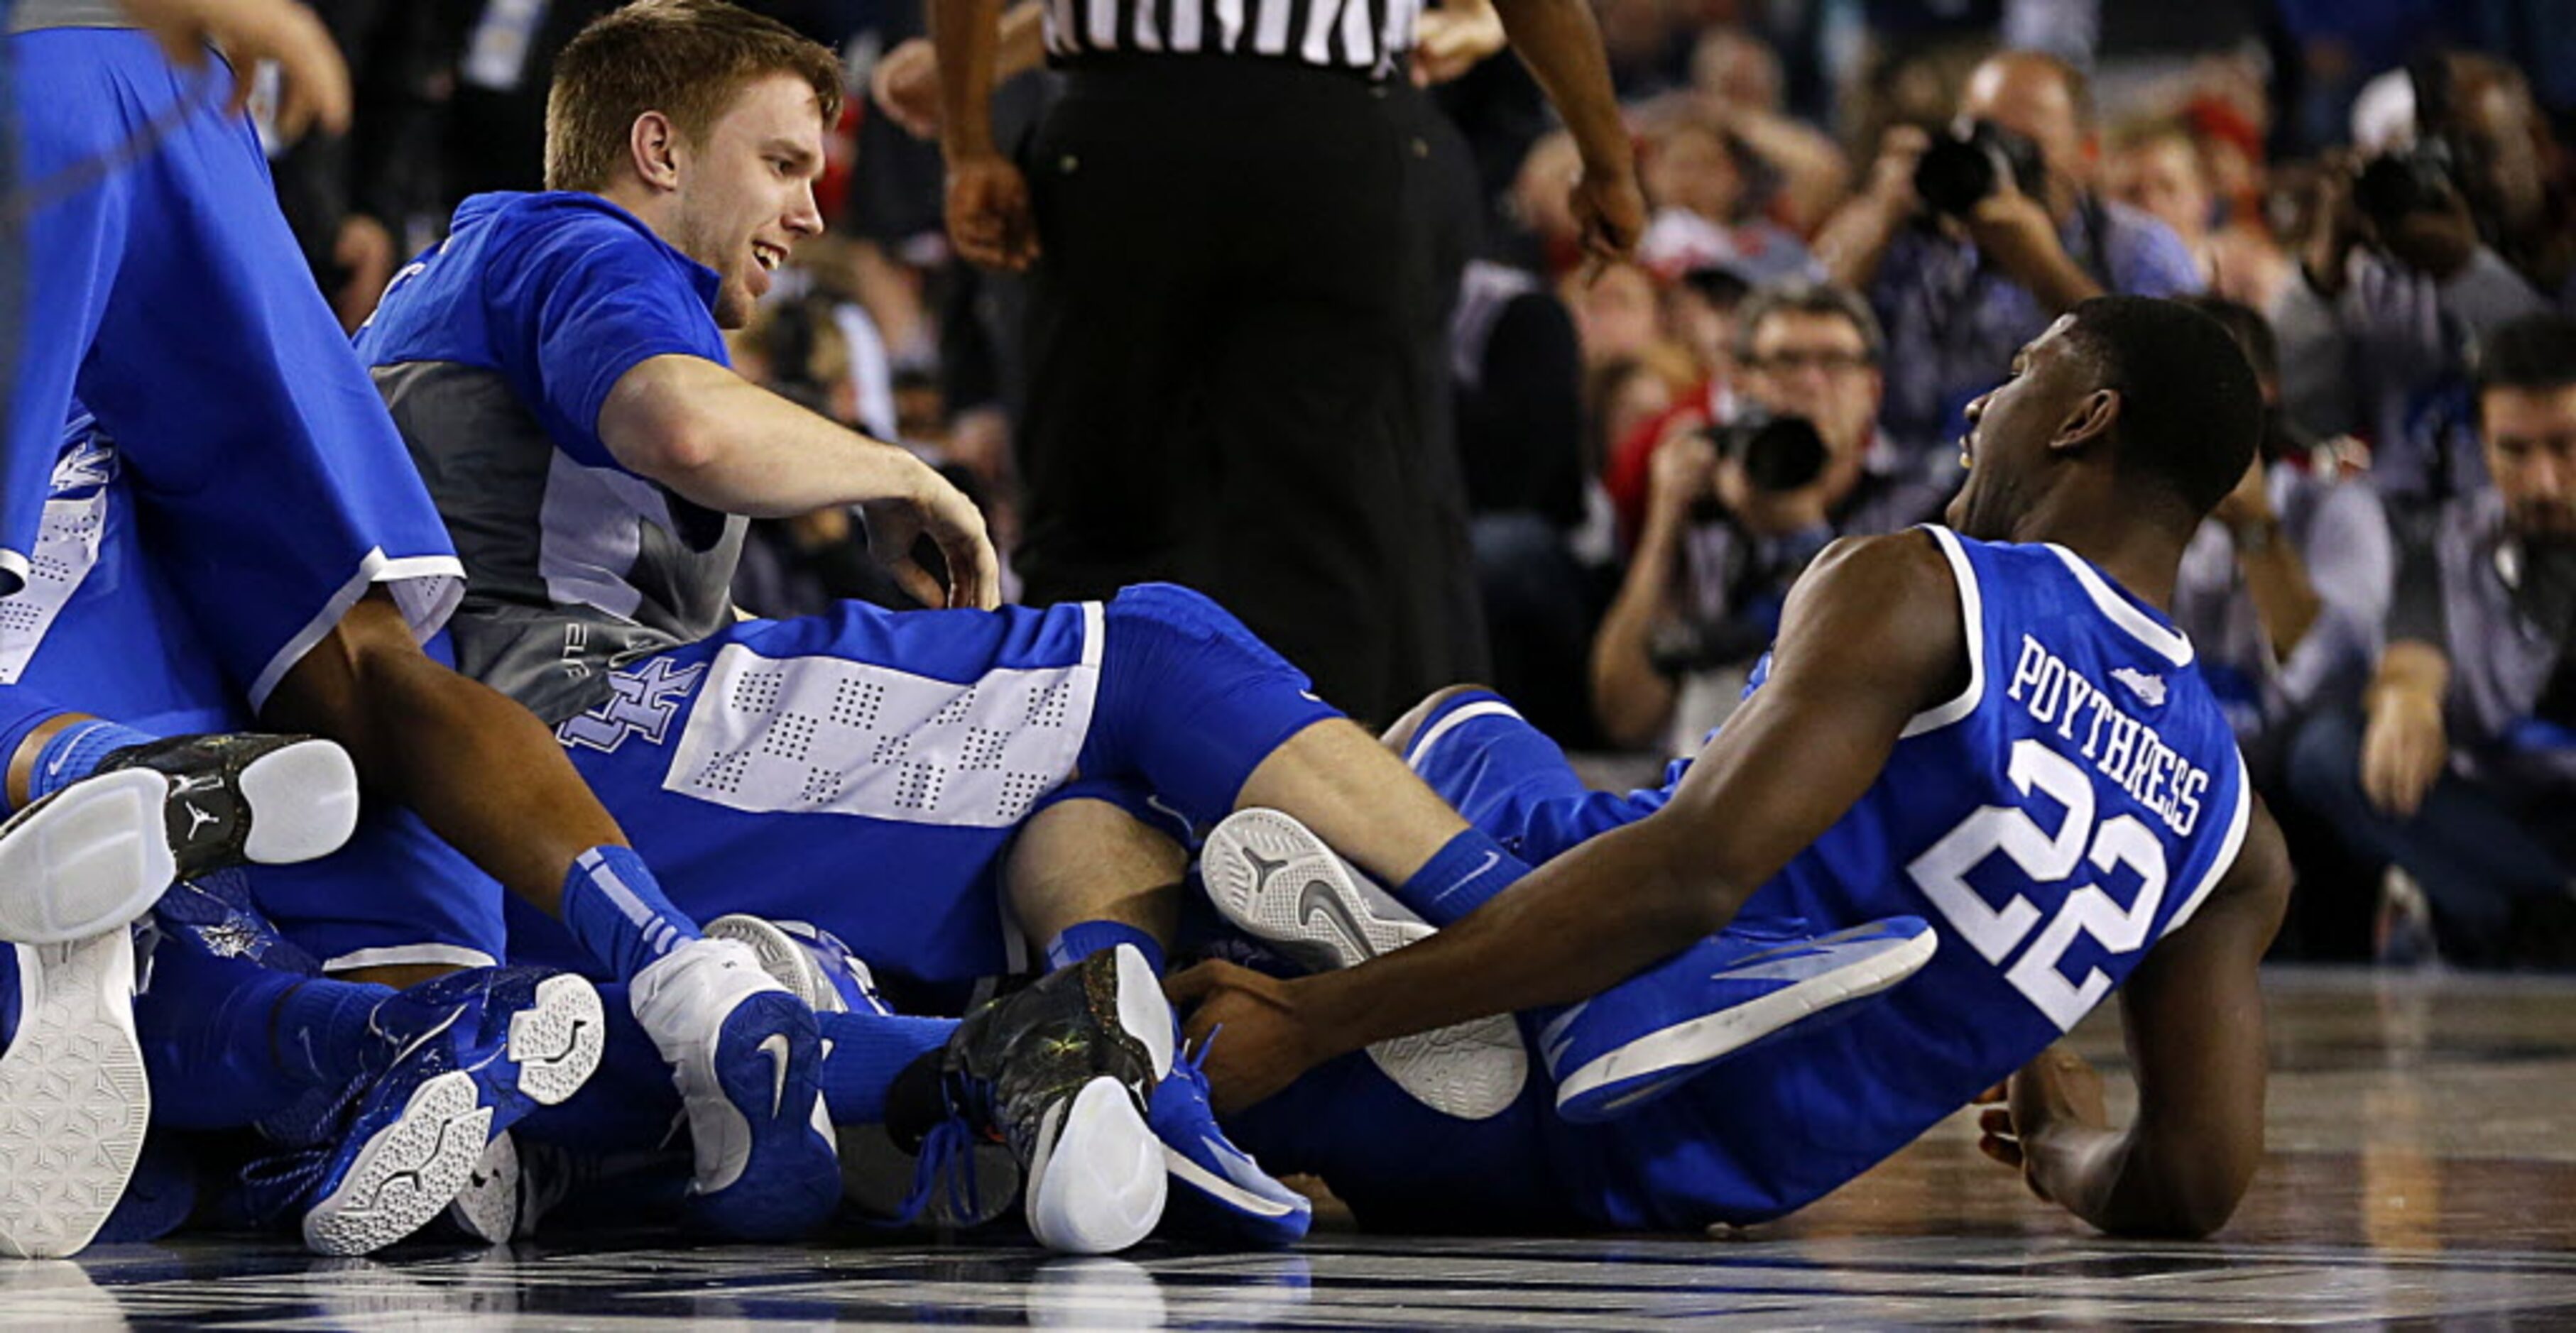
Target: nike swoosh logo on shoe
[
  {"x": 775, "y": 1047},
  {"x": 1318, "y": 898}
]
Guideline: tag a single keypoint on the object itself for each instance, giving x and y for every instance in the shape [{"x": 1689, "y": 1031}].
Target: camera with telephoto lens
[
  {"x": 1964, "y": 165},
  {"x": 2418, "y": 179},
  {"x": 1779, "y": 452}
]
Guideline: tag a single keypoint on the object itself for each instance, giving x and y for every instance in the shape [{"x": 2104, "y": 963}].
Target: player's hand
[
  {"x": 941, "y": 512},
  {"x": 1260, "y": 1041},
  {"x": 905, "y": 86},
  {"x": 313, "y": 81},
  {"x": 989, "y": 219},
  {"x": 2403, "y": 750},
  {"x": 2058, "y": 1089},
  {"x": 1609, "y": 213}
]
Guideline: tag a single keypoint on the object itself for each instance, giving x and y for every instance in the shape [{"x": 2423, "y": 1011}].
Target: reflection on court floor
[{"x": 2424, "y": 1157}]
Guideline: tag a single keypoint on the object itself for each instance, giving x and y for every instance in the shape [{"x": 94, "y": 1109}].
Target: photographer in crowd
[
  {"x": 2464, "y": 768},
  {"x": 1970, "y": 243},
  {"x": 2397, "y": 284},
  {"x": 1736, "y": 511}
]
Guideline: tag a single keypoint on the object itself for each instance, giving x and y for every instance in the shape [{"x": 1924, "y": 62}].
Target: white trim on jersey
[
  {"x": 1451, "y": 722},
  {"x": 409, "y": 955},
  {"x": 1972, "y": 618},
  {"x": 2237, "y": 822},
  {"x": 2169, "y": 644},
  {"x": 1095, "y": 634},
  {"x": 426, "y": 589}
]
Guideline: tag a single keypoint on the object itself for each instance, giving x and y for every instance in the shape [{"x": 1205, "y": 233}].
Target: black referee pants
[{"x": 1226, "y": 387}]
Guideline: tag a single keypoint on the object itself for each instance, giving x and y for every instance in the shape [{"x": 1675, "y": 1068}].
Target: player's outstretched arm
[
  {"x": 1871, "y": 636},
  {"x": 719, "y": 440},
  {"x": 2194, "y": 1016}
]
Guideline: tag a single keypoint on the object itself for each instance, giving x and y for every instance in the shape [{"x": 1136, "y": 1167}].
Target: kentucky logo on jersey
[
  {"x": 646, "y": 702},
  {"x": 2149, "y": 688},
  {"x": 86, "y": 464}
]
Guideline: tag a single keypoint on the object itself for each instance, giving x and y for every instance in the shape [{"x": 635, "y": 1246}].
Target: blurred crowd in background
[{"x": 1858, "y": 210}]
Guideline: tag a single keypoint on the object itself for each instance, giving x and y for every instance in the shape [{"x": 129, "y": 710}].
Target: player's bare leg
[
  {"x": 484, "y": 773},
  {"x": 1083, "y": 860}
]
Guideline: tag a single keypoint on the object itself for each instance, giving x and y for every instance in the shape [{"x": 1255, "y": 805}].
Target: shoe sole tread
[
  {"x": 1472, "y": 1070},
  {"x": 98, "y": 854},
  {"x": 407, "y": 1172},
  {"x": 73, "y": 1097}
]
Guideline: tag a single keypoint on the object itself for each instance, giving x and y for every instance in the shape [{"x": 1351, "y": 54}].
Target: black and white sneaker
[
  {"x": 1063, "y": 1071},
  {"x": 95, "y": 855},
  {"x": 239, "y": 797}
]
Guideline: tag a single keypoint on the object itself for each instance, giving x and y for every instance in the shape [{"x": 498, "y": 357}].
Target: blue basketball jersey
[{"x": 2073, "y": 805}]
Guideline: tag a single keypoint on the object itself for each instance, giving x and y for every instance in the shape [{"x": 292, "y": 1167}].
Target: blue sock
[
  {"x": 21, "y": 711},
  {"x": 1462, "y": 876},
  {"x": 324, "y": 1032},
  {"x": 210, "y": 1035},
  {"x": 868, "y": 1052},
  {"x": 613, "y": 905},
  {"x": 1083, "y": 939},
  {"x": 73, "y": 753}
]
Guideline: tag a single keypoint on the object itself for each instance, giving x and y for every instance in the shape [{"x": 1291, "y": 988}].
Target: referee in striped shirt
[{"x": 1224, "y": 389}]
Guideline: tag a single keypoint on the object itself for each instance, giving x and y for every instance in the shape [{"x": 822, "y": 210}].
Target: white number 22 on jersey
[{"x": 1942, "y": 873}]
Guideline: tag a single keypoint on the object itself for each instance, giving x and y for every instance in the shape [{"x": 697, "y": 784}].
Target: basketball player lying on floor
[
  {"x": 557, "y": 369},
  {"x": 378, "y": 1105},
  {"x": 1996, "y": 722}
]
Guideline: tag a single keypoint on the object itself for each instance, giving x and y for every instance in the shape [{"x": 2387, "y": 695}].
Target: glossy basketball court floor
[{"x": 2422, "y": 1173}]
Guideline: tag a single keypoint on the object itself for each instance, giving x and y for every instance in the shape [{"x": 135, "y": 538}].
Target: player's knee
[
  {"x": 1163, "y": 636},
  {"x": 1399, "y": 737},
  {"x": 1170, "y": 606}
]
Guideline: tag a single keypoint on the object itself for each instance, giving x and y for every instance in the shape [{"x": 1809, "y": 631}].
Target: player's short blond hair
[{"x": 687, "y": 59}]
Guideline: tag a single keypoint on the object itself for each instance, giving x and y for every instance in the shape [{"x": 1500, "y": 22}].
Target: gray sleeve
[{"x": 2316, "y": 359}]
